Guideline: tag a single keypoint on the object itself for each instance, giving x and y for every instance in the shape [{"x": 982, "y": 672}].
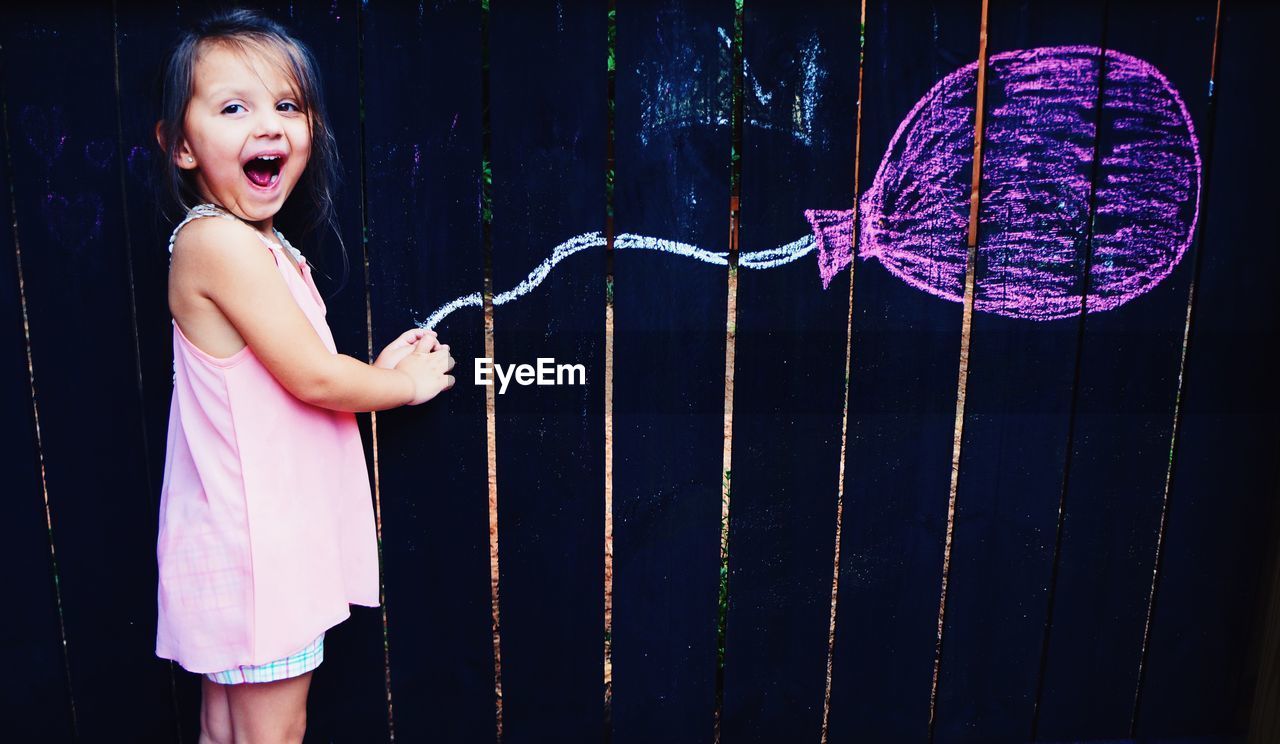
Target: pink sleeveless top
[{"x": 266, "y": 519}]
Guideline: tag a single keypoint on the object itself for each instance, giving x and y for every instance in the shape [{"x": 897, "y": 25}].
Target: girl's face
[{"x": 246, "y": 136}]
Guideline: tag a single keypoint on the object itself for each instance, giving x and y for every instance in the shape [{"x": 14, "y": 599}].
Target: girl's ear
[{"x": 182, "y": 157}]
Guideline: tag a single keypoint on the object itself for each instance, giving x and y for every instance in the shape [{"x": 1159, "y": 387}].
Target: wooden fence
[{"x": 850, "y": 478}]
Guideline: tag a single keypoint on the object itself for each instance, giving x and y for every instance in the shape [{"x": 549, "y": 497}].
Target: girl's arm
[{"x": 232, "y": 268}]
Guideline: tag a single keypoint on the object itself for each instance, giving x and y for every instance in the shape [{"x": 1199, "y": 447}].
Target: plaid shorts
[{"x": 290, "y": 666}]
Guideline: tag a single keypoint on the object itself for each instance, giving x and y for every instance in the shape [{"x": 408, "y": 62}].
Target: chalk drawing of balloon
[{"x": 1042, "y": 118}]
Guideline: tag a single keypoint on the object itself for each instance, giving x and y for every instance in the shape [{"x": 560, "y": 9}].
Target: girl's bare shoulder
[{"x": 211, "y": 251}]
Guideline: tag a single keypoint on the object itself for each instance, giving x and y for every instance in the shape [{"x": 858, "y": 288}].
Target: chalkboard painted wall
[{"x": 927, "y": 395}]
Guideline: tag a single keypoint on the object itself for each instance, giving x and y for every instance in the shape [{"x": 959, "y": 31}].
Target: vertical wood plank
[
  {"x": 143, "y": 33},
  {"x": 1199, "y": 670},
  {"x": 1020, "y": 382},
  {"x": 548, "y": 117},
  {"x": 423, "y": 145},
  {"x": 672, "y": 161},
  {"x": 1264, "y": 718},
  {"x": 902, "y": 384},
  {"x": 37, "y": 704},
  {"x": 69, "y": 223},
  {"x": 1123, "y": 414},
  {"x": 800, "y": 89}
]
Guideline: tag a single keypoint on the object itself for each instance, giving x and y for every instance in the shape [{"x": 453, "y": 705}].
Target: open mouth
[{"x": 264, "y": 170}]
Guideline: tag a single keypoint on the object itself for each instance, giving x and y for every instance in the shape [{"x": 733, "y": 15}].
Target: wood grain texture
[
  {"x": 1123, "y": 416},
  {"x": 902, "y": 398},
  {"x": 69, "y": 223},
  {"x": 1015, "y": 434},
  {"x": 1204, "y": 643},
  {"x": 548, "y": 126},
  {"x": 672, "y": 157},
  {"x": 422, "y": 168},
  {"x": 799, "y": 93}
]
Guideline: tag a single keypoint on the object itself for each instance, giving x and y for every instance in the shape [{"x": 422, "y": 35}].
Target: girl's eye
[
  {"x": 227, "y": 109},
  {"x": 289, "y": 106}
]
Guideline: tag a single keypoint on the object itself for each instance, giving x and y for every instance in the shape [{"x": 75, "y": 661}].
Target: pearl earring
[{"x": 190, "y": 159}]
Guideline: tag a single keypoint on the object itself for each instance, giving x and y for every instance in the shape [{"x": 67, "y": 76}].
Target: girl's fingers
[{"x": 410, "y": 337}]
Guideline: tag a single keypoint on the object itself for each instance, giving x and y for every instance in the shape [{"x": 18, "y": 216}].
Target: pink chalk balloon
[{"x": 1038, "y": 166}]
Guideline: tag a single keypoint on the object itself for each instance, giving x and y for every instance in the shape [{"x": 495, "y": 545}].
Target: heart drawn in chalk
[
  {"x": 139, "y": 162},
  {"x": 73, "y": 223},
  {"x": 98, "y": 153},
  {"x": 44, "y": 130}
]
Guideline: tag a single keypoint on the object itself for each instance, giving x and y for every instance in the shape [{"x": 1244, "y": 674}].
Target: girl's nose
[{"x": 268, "y": 124}]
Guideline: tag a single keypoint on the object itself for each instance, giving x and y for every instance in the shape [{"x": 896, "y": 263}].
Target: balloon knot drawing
[{"x": 1090, "y": 158}]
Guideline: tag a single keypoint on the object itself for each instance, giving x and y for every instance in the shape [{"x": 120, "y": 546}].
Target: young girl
[{"x": 266, "y": 531}]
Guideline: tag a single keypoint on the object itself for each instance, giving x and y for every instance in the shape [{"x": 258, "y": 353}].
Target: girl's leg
[
  {"x": 215, "y": 714},
  {"x": 269, "y": 712}
]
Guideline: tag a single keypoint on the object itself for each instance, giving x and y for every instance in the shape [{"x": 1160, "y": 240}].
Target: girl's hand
[
  {"x": 428, "y": 365},
  {"x": 403, "y": 347}
]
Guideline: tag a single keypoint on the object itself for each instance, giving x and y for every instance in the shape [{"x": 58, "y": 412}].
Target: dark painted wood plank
[
  {"x": 1123, "y": 417},
  {"x": 143, "y": 35},
  {"x": 548, "y": 122},
  {"x": 672, "y": 149},
  {"x": 800, "y": 89},
  {"x": 1264, "y": 717},
  {"x": 902, "y": 396},
  {"x": 37, "y": 703},
  {"x": 1200, "y": 666},
  {"x": 69, "y": 224},
  {"x": 423, "y": 139},
  {"x": 1018, "y": 395}
]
